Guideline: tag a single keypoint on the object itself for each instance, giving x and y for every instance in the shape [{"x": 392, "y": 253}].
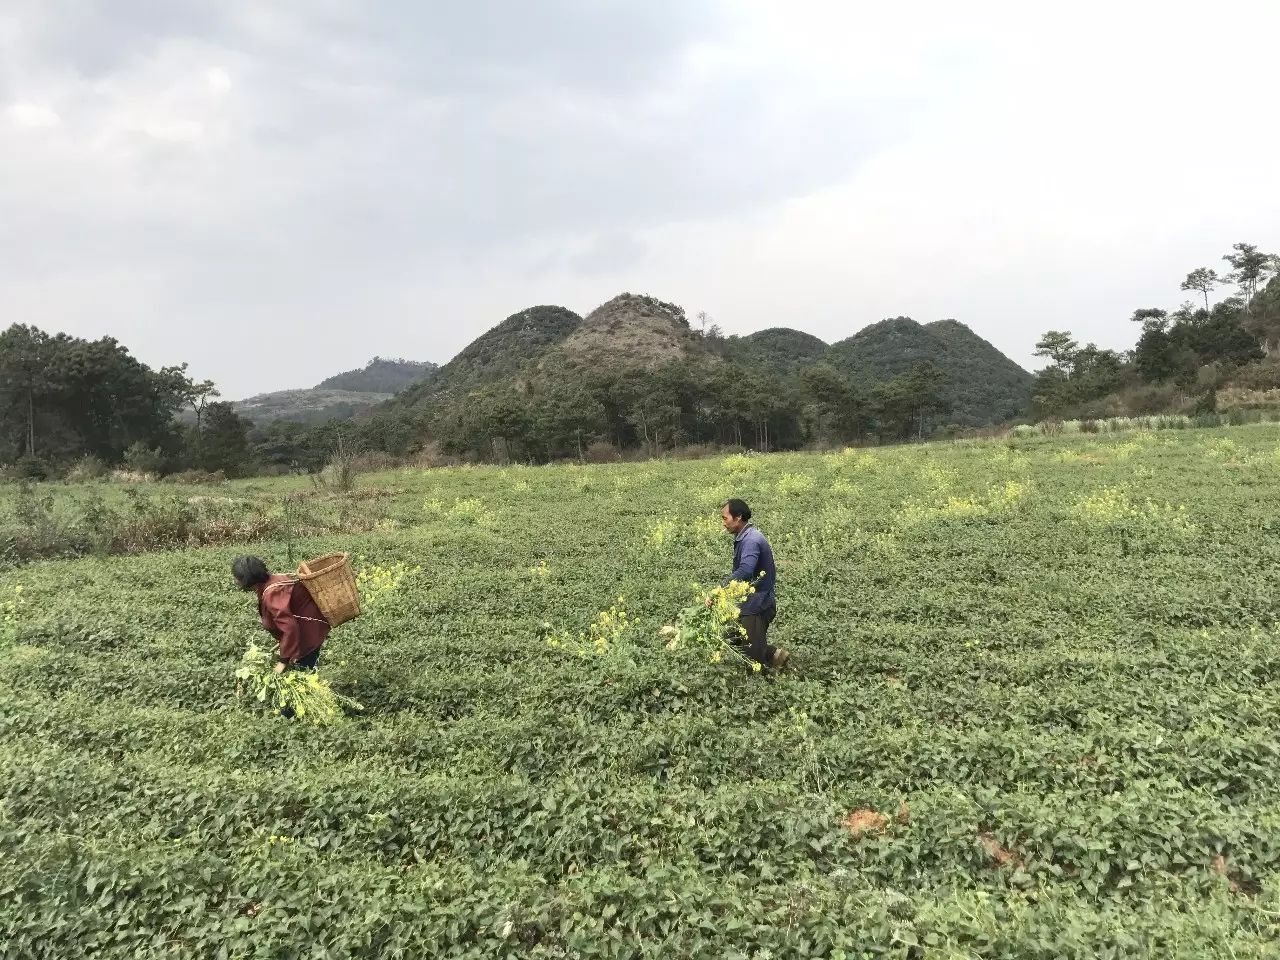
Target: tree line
[
  {"x": 67, "y": 402},
  {"x": 1197, "y": 348},
  {"x": 583, "y": 410},
  {"x": 64, "y": 400}
]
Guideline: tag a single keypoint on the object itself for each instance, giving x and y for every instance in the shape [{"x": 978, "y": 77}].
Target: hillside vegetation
[
  {"x": 779, "y": 349},
  {"x": 341, "y": 396},
  {"x": 1194, "y": 359},
  {"x": 497, "y": 354},
  {"x": 981, "y": 385},
  {"x": 380, "y": 376},
  {"x": 632, "y": 377},
  {"x": 310, "y": 406},
  {"x": 635, "y": 375}
]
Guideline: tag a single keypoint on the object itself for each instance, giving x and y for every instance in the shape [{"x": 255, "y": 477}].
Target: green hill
[
  {"x": 311, "y": 407},
  {"x": 983, "y": 385},
  {"x": 498, "y": 354},
  {"x": 636, "y": 330},
  {"x": 547, "y": 384},
  {"x": 381, "y": 376},
  {"x": 343, "y": 395},
  {"x": 780, "y": 349}
]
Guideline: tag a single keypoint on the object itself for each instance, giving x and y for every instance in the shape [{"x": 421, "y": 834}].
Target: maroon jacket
[{"x": 291, "y": 616}]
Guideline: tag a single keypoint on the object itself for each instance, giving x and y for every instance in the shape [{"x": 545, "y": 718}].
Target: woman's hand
[{"x": 281, "y": 666}]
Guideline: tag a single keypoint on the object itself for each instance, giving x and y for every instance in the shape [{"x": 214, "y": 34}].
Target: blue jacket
[{"x": 752, "y": 556}]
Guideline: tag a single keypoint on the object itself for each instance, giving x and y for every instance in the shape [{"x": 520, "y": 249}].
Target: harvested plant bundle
[{"x": 302, "y": 691}]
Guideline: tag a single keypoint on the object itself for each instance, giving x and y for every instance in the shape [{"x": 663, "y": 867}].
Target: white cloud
[
  {"x": 32, "y": 115},
  {"x": 219, "y": 80}
]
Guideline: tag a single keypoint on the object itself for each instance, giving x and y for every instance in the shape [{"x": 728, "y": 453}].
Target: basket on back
[{"x": 332, "y": 585}]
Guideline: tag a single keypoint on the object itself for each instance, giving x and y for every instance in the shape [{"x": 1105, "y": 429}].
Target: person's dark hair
[
  {"x": 738, "y": 509},
  {"x": 249, "y": 572}
]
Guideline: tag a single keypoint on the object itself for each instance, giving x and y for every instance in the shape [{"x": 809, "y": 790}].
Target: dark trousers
[
  {"x": 757, "y": 627},
  {"x": 309, "y": 661}
]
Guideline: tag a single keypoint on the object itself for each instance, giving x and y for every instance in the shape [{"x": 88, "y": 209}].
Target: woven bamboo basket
[{"x": 332, "y": 585}]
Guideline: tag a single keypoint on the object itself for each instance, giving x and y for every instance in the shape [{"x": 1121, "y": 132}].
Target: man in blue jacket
[{"x": 753, "y": 563}]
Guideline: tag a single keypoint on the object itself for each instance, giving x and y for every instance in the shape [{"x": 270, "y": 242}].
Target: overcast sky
[{"x": 277, "y": 191}]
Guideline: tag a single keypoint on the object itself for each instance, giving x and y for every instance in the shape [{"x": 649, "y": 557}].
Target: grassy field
[{"x": 1031, "y": 712}]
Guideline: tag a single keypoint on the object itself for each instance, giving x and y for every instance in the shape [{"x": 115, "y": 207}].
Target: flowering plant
[
  {"x": 375, "y": 582},
  {"x": 711, "y": 625},
  {"x": 301, "y": 691},
  {"x": 603, "y": 636}
]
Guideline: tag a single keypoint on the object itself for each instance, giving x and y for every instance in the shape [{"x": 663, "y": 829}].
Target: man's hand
[
  {"x": 281, "y": 666},
  {"x": 710, "y": 603}
]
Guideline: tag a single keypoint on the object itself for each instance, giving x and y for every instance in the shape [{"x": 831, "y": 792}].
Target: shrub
[
  {"x": 339, "y": 475},
  {"x": 29, "y": 467},
  {"x": 197, "y": 477},
  {"x": 86, "y": 469},
  {"x": 431, "y": 457},
  {"x": 373, "y": 462},
  {"x": 140, "y": 458},
  {"x": 601, "y": 451},
  {"x": 1155, "y": 399},
  {"x": 1262, "y": 374},
  {"x": 694, "y": 451}
]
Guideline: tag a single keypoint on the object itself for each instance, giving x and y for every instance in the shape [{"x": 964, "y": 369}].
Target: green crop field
[{"x": 1031, "y": 711}]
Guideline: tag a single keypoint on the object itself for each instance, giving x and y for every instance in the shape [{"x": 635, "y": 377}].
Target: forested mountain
[
  {"x": 343, "y": 395},
  {"x": 631, "y": 330},
  {"x": 546, "y": 383},
  {"x": 779, "y": 349},
  {"x": 982, "y": 385},
  {"x": 543, "y": 384},
  {"x": 380, "y": 375},
  {"x": 500, "y": 352},
  {"x": 311, "y": 406}
]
